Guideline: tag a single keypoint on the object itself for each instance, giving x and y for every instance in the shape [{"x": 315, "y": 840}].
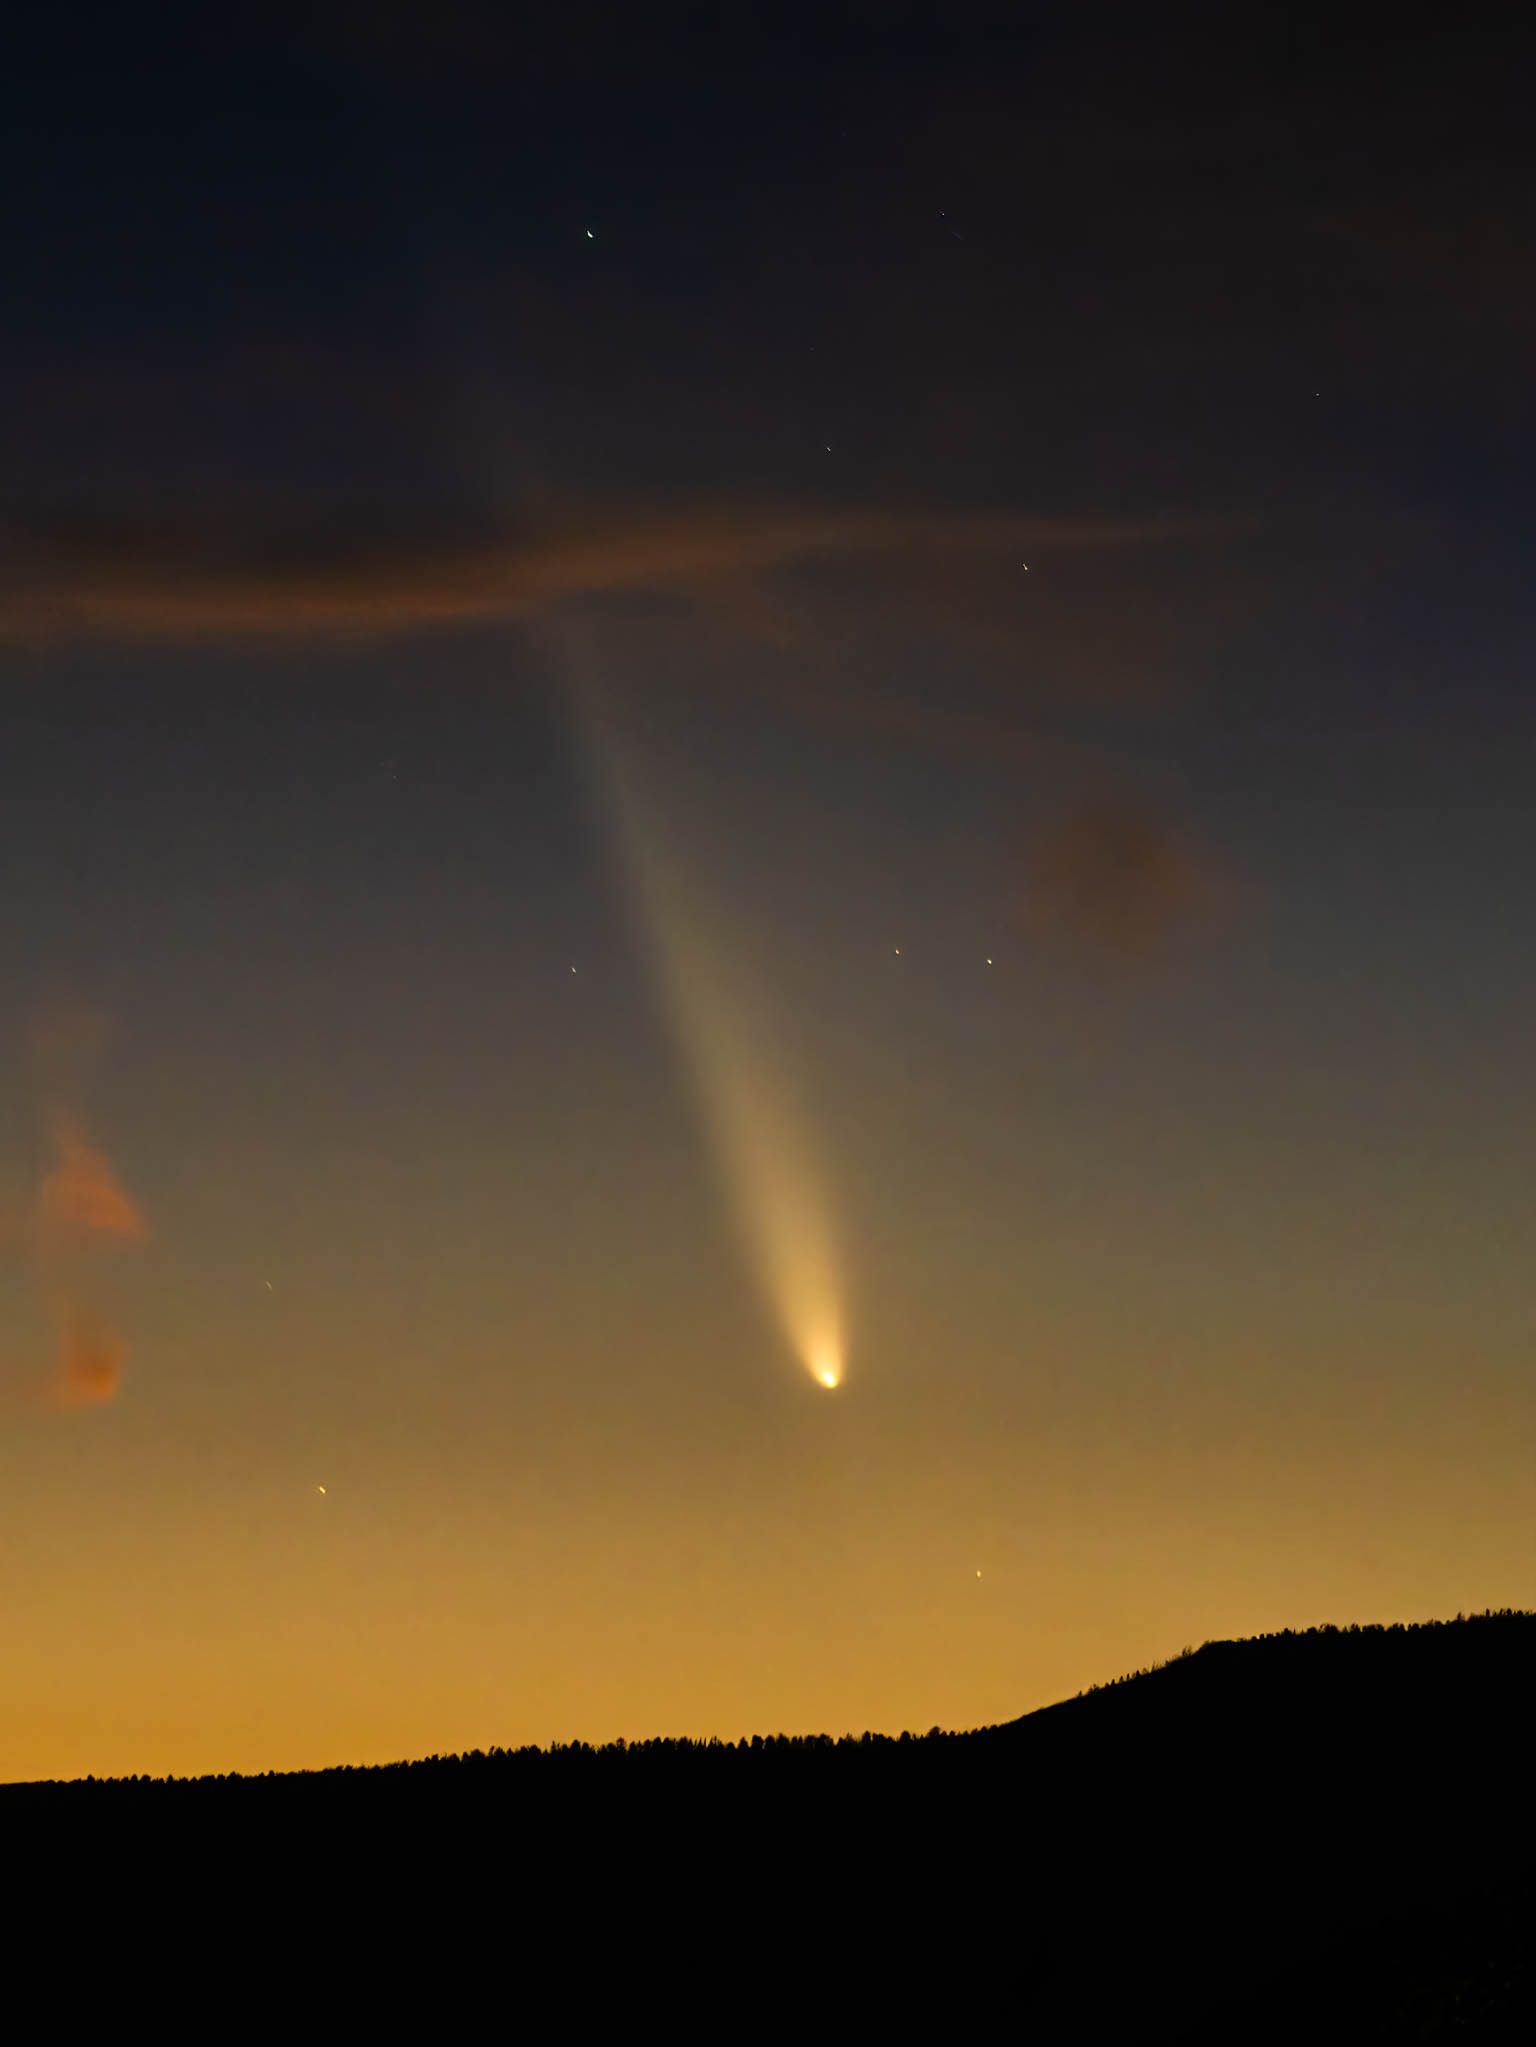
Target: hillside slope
[{"x": 1297, "y": 1836}]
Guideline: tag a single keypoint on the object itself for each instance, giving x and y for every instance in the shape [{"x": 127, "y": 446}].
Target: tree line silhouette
[
  {"x": 1274, "y": 1663},
  {"x": 1317, "y": 1833}
]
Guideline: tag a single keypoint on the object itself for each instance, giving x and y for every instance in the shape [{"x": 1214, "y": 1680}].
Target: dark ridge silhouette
[{"x": 1301, "y": 1836}]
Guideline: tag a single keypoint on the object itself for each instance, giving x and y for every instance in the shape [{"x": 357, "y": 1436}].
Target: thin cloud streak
[{"x": 66, "y": 587}]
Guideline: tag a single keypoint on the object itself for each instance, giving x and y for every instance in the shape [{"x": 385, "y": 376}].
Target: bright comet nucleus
[{"x": 823, "y": 1359}]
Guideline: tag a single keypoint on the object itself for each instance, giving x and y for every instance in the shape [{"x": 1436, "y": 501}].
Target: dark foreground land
[{"x": 1301, "y": 1837}]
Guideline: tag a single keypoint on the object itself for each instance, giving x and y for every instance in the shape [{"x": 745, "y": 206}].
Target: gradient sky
[{"x": 421, "y": 429}]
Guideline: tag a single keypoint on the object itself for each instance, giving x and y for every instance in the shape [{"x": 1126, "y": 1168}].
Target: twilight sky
[{"x": 680, "y": 703}]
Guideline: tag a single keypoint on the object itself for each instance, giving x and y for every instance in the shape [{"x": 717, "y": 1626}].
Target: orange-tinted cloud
[
  {"x": 1115, "y": 881},
  {"x": 72, "y": 583},
  {"x": 91, "y": 1358},
  {"x": 82, "y": 1198},
  {"x": 80, "y": 1211}
]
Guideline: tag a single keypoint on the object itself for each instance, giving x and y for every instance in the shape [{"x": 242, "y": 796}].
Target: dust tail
[{"x": 758, "y": 1131}]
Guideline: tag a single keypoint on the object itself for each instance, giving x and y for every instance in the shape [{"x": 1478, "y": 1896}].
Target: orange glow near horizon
[{"x": 205, "y": 1620}]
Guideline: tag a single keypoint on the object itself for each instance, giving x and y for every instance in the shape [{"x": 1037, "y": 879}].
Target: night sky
[{"x": 692, "y": 705}]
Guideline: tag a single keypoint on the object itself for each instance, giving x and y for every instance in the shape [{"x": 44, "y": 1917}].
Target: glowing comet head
[{"x": 824, "y": 1362}]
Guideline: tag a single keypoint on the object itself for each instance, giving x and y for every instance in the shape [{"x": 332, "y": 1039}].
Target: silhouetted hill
[{"x": 1301, "y": 1836}]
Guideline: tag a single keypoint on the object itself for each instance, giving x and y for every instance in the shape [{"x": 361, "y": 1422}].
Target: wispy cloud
[
  {"x": 1113, "y": 880},
  {"x": 71, "y": 581},
  {"x": 80, "y": 1211},
  {"x": 81, "y": 1200},
  {"x": 91, "y": 1357}
]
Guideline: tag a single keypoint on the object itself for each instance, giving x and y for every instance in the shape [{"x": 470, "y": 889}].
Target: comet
[{"x": 773, "y": 1177}]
